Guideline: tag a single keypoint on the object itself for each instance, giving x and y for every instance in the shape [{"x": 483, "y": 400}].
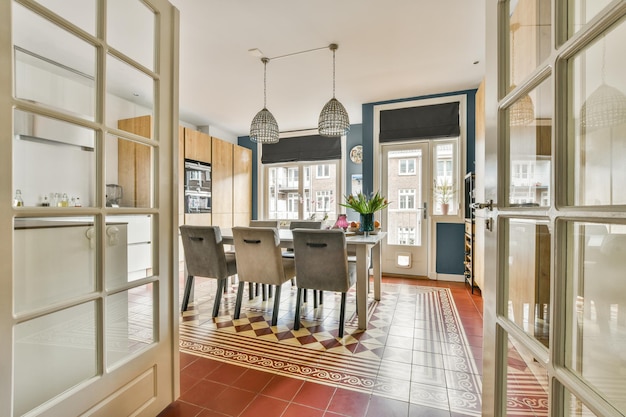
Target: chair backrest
[
  {"x": 322, "y": 260},
  {"x": 305, "y": 224},
  {"x": 258, "y": 254},
  {"x": 264, "y": 223},
  {"x": 204, "y": 251}
]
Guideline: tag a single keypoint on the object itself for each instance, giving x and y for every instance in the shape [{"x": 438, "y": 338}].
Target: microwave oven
[{"x": 197, "y": 187}]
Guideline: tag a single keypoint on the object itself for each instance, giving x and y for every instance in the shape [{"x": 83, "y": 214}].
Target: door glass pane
[
  {"x": 597, "y": 120},
  {"x": 130, "y": 30},
  {"x": 129, "y": 247},
  {"x": 574, "y": 407},
  {"x": 130, "y": 323},
  {"x": 404, "y": 190},
  {"x": 40, "y": 280},
  {"x": 52, "y": 354},
  {"x": 54, "y": 162},
  {"x": 445, "y": 186},
  {"x": 130, "y": 93},
  {"x": 54, "y": 68},
  {"x": 530, "y": 26},
  {"x": 82, "y": 13},
  {"x": 528, "y": 277},
  {"x": 530, "y": 141},
  {"x": 526, "y": 383},
  {"x": 129, "y": 173},
  {"x": 596, "y": 308},
  {"x": 580, "y": 12}
]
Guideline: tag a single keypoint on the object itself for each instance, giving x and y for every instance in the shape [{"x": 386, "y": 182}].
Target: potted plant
[
  {"x": 444, "y": 190},
  {"x": 366, "y": 207}
]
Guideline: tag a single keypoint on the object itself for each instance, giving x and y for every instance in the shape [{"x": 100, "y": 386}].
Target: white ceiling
[{"x": 387, "y": 50}]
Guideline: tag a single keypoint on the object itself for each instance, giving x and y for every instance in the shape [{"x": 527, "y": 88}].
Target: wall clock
[{"x": 356, "y": 154}]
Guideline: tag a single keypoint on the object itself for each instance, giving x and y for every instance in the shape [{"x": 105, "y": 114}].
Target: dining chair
[
  {"x": 259, "y": 260},
  {"x": 205, "y": 257},
  {"x": 322, "y": 264},
  {"x": 264, "y": 223},
  {"x": 304, "y": 224}
]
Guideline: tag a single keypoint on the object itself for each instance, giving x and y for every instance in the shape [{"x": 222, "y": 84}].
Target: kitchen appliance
[
  {"x": 197, "y": 187},
  {"x": 114, "y": 195}
]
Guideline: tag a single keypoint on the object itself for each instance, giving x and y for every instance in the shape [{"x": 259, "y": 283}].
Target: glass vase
[{"x": 367, "y": 223}]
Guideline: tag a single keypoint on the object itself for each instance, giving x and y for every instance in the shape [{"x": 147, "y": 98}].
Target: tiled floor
[{"x": 423, "y": 370}]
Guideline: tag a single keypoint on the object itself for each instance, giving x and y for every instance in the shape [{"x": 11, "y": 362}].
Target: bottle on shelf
[
  {"x": 45, "y": 202},
  {"x": 18, "y": 201},
  {"x": 65, "y": 202}
]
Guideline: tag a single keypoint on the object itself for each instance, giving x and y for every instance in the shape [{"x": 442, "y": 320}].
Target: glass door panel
[
  {"x": 405, "y": 168},
  {"x": 82, "y": 13},
  {"x": 132, "y": 14}
]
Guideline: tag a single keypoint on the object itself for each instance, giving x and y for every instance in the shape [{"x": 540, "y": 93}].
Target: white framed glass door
[
  {"x": 406, "y": 178},
  {"x": 88, "y": 285}
]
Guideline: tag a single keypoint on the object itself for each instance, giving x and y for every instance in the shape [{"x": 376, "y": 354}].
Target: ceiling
[{"x": 387, "y": 50}]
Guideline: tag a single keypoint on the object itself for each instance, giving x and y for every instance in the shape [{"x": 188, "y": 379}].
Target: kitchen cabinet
[
  {"x": 197, "y": 146},
  {"x": 242, "y": 185},
  {"x": 134, "y": 163},
  {"x": 222, "y": 183}
]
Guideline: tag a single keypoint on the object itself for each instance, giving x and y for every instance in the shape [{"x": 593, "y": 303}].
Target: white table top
[{"x": 287, "y": 237}]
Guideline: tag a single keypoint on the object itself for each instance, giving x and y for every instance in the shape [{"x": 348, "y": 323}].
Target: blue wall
[{"x": 449, "y": 235}]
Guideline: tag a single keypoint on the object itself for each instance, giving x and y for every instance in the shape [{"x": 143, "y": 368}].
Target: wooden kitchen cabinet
[
  {"x": 242, "y": 185},
  {"x": 197, "y": 146},
  {"x": 134, "y": 163},
  {"x": 222, "y": 183}
]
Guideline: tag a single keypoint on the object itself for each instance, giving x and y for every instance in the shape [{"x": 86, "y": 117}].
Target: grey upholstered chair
[
  {"x": 264, "y": 223},
  {"x": 205, "y": 257},
  {"x": 304, "y": 224},
  {"x": 322, "y": 264},
  {"x": 259, "y": 260}
]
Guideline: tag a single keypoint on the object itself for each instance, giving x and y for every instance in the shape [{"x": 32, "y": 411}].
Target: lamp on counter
[
  {"x": 264, "y": 128},
  {"x": 342, "y": 222},
  {"x": 333, "y": 120}
]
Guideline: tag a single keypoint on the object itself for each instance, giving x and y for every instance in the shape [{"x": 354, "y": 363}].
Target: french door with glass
[
  {"x": 555, "y": 235},
  {"x": 87, "y": 307}
]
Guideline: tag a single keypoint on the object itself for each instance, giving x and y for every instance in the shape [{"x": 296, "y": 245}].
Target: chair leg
[
  {"x": 269, "y": 291},
  {"x": 238, "y": 300},
  {"x": 250, "y": 291},
  {"x": 264, "y": 292},
  {"x": 314, "y": 298},
  {"x": 321, "y": 297},
  {"x": 304, "y": 289},
  {"x": 187, "y": 293},
  {"x": 342, "y": 313},
  {"x": 276, "y": 305},
  {"x": 221, "y": 287},
  {"x": 296, "y": 319}
]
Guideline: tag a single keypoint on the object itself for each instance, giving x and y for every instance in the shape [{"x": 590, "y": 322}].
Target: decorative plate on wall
[{"x": 356, "y": 154}]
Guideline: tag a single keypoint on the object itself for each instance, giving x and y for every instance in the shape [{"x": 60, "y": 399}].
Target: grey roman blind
[
  {"x": 302, "y": 148},
  {"x": 435, "y": 121}
]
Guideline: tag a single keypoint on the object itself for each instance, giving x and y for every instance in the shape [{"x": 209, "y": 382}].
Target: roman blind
[
  {"x": 302, "y": 148},
  {"x": 434, "y": 121}
]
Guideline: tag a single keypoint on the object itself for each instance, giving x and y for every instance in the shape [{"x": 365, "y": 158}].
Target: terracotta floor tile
[
  {"x": 187, "y": 381},
  {"x": 265, "y": 406},
  {"x": 227, "y": 373},
  {"x": 201, "y": 368},
  {"x": 314, "y": 395},
  {"x": 297, "y": 410},
  {"x": 231, "y": 401},
  {"x": 180, "y": 409},
  {"x": 186, "y": 359},
  {"x": 282, "y": 387},
  {"x": 203, "y": 393},
  {"x": 253, "y": 380},
  {"x": 349, "y": 403}
]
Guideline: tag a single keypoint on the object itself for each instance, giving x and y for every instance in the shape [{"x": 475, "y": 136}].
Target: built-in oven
[{"x": 197, "y": 187}]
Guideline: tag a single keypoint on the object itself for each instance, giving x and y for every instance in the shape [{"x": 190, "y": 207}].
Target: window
[
  {"x": 406, "y": 166},
  {"x": 406, "y": 236},
  {"x": 301, "y": 191},
  {"x": 406, "y": 199},
  {"x": 323, "y": 171},
  {"x": 323, "y": 200},
  {"x": 445, "y": 174}
]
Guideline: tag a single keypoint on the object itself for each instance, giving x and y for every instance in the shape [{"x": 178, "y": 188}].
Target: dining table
[{"x": 360, "y": 244}]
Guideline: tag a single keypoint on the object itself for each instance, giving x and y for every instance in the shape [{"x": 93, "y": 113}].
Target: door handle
[
  {"x": 425, "y": 210},
  {"x": 488, "y": 205}
]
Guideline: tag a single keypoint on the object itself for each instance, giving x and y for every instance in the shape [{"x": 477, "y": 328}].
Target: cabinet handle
[
  {"x": 112, "y": 234},
  {"x": 90, "y": 233}
]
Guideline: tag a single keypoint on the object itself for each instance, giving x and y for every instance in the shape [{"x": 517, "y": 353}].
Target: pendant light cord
[
  {"x": 265, "y": 61},
  {"x": 333, "y": 47}
]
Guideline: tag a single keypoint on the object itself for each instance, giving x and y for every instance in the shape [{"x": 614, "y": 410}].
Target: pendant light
[
  {"x": 522, "y": 112},
  {"x": 334, "y": 120},
  {"x": 264, "y": 128},
  {"x": 606, "y": 106}
]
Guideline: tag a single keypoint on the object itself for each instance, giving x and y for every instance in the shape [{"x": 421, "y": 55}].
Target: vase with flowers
[
  {"x": 366, "y": 207},
  {"x": 444, "y": 191}
]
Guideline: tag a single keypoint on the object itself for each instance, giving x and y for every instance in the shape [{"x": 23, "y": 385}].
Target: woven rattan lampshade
[
  {"x": 522, "y": 112},
  {"x": 333, "y": 120},
  {"x": 605, "y": 107},
  {"x": 264, "y": 128}
]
